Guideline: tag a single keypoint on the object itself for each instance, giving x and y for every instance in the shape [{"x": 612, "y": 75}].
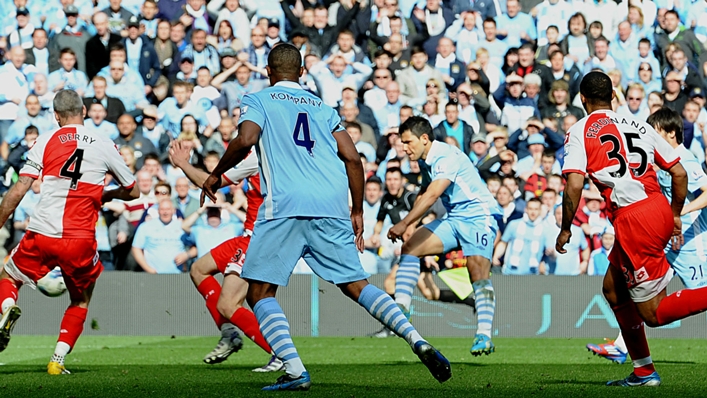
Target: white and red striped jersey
[
  {"x": 618, "y": 153},
  {"x": 73, "y": 162},
  {"x": 248, "y": 169}
]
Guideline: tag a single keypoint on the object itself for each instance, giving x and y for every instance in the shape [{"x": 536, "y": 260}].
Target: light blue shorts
[
  {"x": 326, "y": 244},
  {"x": 689, "y": 267},
  {"x": 475, "y": 235}
]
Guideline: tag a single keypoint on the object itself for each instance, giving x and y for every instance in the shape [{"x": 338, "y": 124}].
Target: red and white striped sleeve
[{"x": 575, "y": 151}]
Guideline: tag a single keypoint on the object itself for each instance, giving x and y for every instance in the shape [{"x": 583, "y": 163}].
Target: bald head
[{"x": 17, "y": 56}]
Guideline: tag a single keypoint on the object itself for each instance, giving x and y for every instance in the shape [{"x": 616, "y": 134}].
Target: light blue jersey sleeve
[
  {"x": 140, "y": 238},
  {"x": 510, "y": 232}
]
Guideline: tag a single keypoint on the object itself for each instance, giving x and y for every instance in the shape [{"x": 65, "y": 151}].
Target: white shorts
[{"x": 645, "y": 291}]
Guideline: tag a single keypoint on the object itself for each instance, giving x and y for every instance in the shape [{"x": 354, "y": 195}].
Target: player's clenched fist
[
  {"x": 397, "y": 231},
  {"x": 562, "y": 239}
]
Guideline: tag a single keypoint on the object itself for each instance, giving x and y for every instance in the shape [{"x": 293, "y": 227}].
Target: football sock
[
  {"x": 406, "y": 280},
  {"x": 210, "y": 290},
  {"x": 245, "y": 320},
  {"x": 634, "y": 333},
  {"x": 383, "y": 308},
  {"x": 71, "y": 328},
  {"x": 227, "y": 330},
  {"x": 485, "y": 306},
  {"x": 681, "y": 304},
  {"x": 276, "y": 331},
  {"x": 448, "y": 296},
  {"x": 8, "y": 294},
  {"x": 620, "y": 343}
]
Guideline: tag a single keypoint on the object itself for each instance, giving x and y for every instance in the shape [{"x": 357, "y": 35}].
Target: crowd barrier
[{"x": 139, "y": 304}]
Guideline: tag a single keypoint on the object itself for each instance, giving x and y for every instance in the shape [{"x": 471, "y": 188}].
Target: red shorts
[
  {"x": 230, "y": 255},
  {"x": 38, "y": 254},
  {"x": 642, "y": 232}
]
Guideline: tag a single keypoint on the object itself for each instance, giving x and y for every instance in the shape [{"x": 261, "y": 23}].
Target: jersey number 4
[
  {"x": 72, "y": 168},
  {"x": 615, "y": 154},
  {"x": 302, "y": 128}
]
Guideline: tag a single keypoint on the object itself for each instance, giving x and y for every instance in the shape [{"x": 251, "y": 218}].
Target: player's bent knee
[
  {"x": 353, "y": 289},
  {"x": 203, "y": 268}
]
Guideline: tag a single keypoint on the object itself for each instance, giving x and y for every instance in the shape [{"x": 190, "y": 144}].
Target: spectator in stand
[
  {"x": 218, "y": 142},
  {"x": 255, "y": 56},
  {"x": 350, "y": 113},
  {"x": 73, "y": 36},
  {"x": 225, "y": 38},
  {"x": 39, "y": 54},
  {"x": 331, "y": 79},
  {"x": 531, "y": 88},
  {"x": 233, "y": 91},
  {"x": 648, "y": 79},
  {"x": 578, "y": 45},
  {"x": 182, "y": 201},
  {"x": 172, "y": 110},
  {"x": 202, "y": 53},
  {"x": 67, "y": 77},
  {"x": 601, "y": 59},
  {"x": 166, "y": 49},
  {"x": 214, "y": 230},
  {"x": 401, "y": 54},
  {"x": 516, "y": 108},
  {"x": 435, "y": 19},
  {"x": 645, "y": 55},
  {"x": 354, "y": 131},
  {"x": 453, "y": 127},
  {"x": 533, "y": 162},
  {"x": 18, "y": 153},
  {"x": 371, "y": 206},
  {"x": 518, "y": 141},
  {"x": 672, "y": 32},
  {"x": 375, "y": 97},
  {"x": 496, "y": 48},
  {"x": 636, "y": 105},
  {"x": 141, "y": 55},
  {"x": 674, "y": 96},
  {"x": 320, "y": 33},
  {"x": 97, "y": 122},
  {"x": 466, "y": 35},
  {"x": 35, "y": 116},
  {"x": 389, "y": 115},
  {"x": 113, "y": 106},
  {"x": 233, "y": 13},
  {"x": 689, "y": 75},
  {"x": 560, "y": 99},
  {"x": 551, "y": 13},
  {"x": 569, "y": 263},
  {"x": 515, "y": 26},
  {"x": 158, "y": 247},
  {"x": 446, "y": 62},
  {"x": 345, "y": 47},
  {"x": 118, "y": 17},
  {"x": 599, "y": 258},
  {"x": 130, "y": 137},
  {"x": 99, "y": 45},
  {"x": 154, "y": 132},
  {"x": 504, "y": 197},
  {"x": 413, "y": 79},
  {"x": 119, "y": 85},
  {"x": 21, "y": 33},
  {"x": 15, "y": 77},
  {"x": 523, "y": 243},
  {"x": 624, "y": 50}
]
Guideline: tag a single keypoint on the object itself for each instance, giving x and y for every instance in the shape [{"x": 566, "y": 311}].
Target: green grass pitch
[{"x": 340, "y": 367}]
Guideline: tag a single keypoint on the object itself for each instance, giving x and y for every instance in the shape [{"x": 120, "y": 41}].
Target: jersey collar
[
  {"x": 287, "y": 84},
  {"x": 432, "y": 154}
]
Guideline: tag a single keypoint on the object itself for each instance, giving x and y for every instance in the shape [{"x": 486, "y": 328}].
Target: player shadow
[
  {"x": 676, "y": 362},
  {"x": 24, "y": 369},
  {"x": 575, "y": 382}
]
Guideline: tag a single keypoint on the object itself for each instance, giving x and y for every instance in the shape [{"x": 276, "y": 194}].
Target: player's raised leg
[
  {"x": 8, "y": 305},
  {"x": 202, "y": 274},
  {"x": 613, "y": 350},
  {"x": 632, "y": 328}
]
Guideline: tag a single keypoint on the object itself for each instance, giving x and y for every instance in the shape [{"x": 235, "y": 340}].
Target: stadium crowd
[{"x": 497, "y": 78}]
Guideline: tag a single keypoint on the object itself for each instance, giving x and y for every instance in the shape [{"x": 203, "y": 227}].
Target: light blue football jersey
[
  {"x": 694, "y": 224},
  {"x": 300, "y": 170},
  {"x": 467, "y": 195}
]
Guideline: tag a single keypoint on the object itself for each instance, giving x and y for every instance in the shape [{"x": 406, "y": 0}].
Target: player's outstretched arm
[
  {"x": 238, "y": 148},
  {"x": 354, "y": 171},
  {"x": 13, "y": 197},
  {"x": 697, "y": 204},
  {"x": 423, "y": 202},
  {"x": 570, "y": 201}
]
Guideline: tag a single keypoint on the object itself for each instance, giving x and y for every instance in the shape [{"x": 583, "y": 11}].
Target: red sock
[
  {"x": 634, "y": 333},
  {"x": 245, "y": 320},
  {"x": 681, "y": 304},
  {"x": 8, "y": 290},
  {"x": 210, "y": 289},
  {"x": 72, "y": 325}
]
